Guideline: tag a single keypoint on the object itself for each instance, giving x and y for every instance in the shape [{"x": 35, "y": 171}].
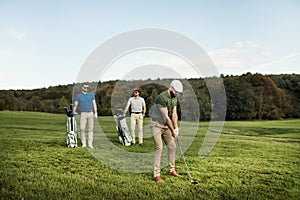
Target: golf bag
[
  {"x": 122, "y": 128},
  {"x": 71, "y": 127}
]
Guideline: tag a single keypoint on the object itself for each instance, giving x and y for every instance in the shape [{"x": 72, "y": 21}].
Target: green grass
[{"x": 252, "y": 160}]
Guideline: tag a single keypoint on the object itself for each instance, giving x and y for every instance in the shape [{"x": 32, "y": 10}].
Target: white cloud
[
  {"x": 239, "y": 45},
  {"x": 267, "y": 52},
  {"x": 227, "y": 52},
  {"x": 6, "y": 53},
  {"x": 239, "y": 57},
  {"x": 246, "y": 44},
  {"x": 252, "y": 44},
  {"x": 19, "y": 35},
  {"x": 150, "y": 64},
  {"x": 278, "y": 60},
  {"x": 249, "y": 56}
]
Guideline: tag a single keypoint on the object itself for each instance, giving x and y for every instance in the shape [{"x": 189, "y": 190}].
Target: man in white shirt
[{"x": 138, "y": 109}]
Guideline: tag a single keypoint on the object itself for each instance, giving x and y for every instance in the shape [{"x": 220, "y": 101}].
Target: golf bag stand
[
  {"x": 122, "y": 128},
  {"x": 71, "y": 127}
]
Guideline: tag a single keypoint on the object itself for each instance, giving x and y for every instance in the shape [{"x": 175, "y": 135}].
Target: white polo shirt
[{"x": 136, "y": 104}]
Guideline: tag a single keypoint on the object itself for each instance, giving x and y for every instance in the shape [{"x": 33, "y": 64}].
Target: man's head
[
  {"x": 136, "y": 91},
  {"x": 85, "y": 87},
  {"x": 175, "y": 88}
]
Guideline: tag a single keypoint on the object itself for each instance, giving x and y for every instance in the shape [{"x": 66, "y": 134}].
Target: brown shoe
[
  {"x": 158, "y": 179},
  {"x": 141, "y": 144},
  {"x": 173, "y": 173}
]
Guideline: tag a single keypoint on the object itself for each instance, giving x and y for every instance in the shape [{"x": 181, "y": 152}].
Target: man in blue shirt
[{"x": 88, "y": 110}]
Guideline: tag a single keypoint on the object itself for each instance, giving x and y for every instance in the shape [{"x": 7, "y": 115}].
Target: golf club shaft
[{"x": 186, "y": 166}]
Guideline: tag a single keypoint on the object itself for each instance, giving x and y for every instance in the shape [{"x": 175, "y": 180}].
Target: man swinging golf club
[{"x": 164, "y": 126}]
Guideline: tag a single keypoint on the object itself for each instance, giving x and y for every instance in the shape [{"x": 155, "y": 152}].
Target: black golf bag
[
  {"x": 122, "y": 128},
  {"x": 71, "y": 127}
]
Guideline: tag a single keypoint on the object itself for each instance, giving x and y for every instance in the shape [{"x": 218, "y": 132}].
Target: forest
[{"x": 247, "y": 97}]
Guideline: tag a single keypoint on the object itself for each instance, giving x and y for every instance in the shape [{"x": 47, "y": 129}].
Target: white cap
[{"x": 177, "y": 85}]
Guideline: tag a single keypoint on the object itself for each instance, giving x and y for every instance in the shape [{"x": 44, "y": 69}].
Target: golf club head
[
  {"x": 119, "y": 112},
  {"x": 68, "y": 112},
  {"x": 65, "y": 109},
  {"x": 72, "y": 106}
]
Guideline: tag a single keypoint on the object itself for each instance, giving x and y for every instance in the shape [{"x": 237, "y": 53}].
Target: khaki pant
[
  {"x": 84, "y": 118},
  {"x": 136, "y": 118},
  {"x": 162, "y": 133}
]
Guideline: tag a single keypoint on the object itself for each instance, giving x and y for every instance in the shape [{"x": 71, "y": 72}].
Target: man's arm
[
  {"x": 144, "y": 109},
  {"x": 126, "y": 108},
  {"x": 164, "y": 112},
  {"x": 94, "y": 106},
  {"x": 75, "y": 106},
  {"x": 175, "y": 117}
]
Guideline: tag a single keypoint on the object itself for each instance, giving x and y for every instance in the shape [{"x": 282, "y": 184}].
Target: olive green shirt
[{"x": 163, "y": 101}]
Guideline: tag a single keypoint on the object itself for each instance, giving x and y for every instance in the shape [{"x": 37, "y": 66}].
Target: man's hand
[
  {"x": 142, "y": 116},
  {"x": 96, "y": 115},
  {"x": 176, "y": 133}
]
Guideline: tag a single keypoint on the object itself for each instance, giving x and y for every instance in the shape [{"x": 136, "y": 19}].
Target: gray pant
[
  {"x": 139, "y": 119},
  {"x": 87, "y": 117}
]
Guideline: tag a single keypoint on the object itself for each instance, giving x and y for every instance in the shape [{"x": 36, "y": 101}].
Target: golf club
[{"x": 186, "y": 166}]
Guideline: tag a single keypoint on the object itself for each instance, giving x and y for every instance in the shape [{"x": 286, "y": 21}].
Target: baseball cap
[{"x": 177, "y": 86}]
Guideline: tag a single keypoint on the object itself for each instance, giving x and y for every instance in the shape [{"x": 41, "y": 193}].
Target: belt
[
  {"x": 136, "y": 112},
  {"x": 87, "y": 111}
]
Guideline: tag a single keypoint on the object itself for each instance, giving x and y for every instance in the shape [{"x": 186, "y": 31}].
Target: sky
[{"x": 46, "y": 43}]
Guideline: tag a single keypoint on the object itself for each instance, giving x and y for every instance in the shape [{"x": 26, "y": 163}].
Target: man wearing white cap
[{"x": 164, "y": 127}]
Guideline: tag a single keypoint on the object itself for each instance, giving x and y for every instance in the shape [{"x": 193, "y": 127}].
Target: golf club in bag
[
  {"x": 71, "y": 127},
  {"x": 186, "y": 166},
  {"x": 122, "y": 128}
]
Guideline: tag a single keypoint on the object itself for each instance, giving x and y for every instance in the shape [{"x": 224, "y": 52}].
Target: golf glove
[
  {"x": 177, "y": 132},
  {"x": 96, "y": 115}
]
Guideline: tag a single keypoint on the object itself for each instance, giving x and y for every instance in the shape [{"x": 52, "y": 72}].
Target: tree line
[{"x": 248, "y": 97}]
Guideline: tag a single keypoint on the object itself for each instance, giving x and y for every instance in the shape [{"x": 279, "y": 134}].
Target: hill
[{"x": 249, "y": 97}]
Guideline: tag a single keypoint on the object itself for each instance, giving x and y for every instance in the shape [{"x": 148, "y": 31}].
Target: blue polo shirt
[{"x": 85, "y": 101}]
